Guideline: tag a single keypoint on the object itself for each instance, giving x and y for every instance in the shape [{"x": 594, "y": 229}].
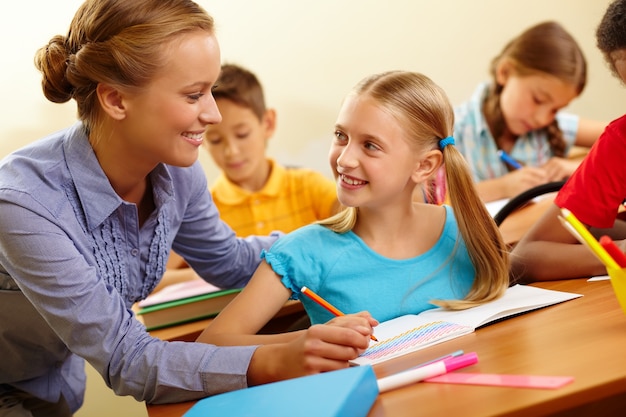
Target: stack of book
[{"x": 183, "y": 302}]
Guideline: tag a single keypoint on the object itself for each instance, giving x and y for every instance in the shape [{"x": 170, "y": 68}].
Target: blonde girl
[{"x": 384, "y": 255}]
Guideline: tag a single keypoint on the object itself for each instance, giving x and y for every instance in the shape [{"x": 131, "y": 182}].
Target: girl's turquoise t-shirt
[{"x": 342, "y": 269}]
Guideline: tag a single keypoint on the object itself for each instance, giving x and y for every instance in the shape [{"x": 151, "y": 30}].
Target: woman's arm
[
  {"x": 90, "y": 318},
  {"x": 176, "y": 271}
]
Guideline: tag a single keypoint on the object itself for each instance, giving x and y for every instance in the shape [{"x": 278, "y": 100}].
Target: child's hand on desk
[
  {"x": 523, "y": 179},
  {"x": 558, "y": 169}
]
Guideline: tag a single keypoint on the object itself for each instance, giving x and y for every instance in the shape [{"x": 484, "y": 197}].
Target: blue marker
[{"x": 508, "y": 160}]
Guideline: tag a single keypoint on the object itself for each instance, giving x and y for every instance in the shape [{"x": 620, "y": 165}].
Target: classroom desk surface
[{"x": 584, "y": 338}]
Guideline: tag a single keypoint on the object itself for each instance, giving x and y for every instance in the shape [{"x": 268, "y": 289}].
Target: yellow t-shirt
[{"x": 291, "y": 198}]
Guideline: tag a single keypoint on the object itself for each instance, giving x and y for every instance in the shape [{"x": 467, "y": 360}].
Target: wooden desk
[{"x": 584, "y": 338}]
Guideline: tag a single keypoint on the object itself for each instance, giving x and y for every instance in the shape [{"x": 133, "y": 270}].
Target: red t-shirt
[{"x": 596, "y": 189}]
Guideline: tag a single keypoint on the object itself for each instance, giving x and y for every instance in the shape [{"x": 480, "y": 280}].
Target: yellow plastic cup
[{"x": 618, "y": 281}]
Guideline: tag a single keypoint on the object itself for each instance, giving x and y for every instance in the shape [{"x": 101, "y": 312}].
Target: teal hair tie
[{"x": 445, "y": 142}]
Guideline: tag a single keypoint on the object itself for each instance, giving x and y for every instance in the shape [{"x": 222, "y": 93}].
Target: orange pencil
[{"x": 328, "y": 306}]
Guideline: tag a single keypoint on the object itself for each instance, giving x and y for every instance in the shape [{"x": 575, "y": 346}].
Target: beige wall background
[{"x": 308, "y": 55}]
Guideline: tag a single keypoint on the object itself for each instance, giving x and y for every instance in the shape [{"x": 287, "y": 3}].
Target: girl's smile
[{"x": 350, "y": 182}]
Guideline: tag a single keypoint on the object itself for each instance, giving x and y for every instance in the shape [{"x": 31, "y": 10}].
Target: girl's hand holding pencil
[{"x": 334, "y": 310}]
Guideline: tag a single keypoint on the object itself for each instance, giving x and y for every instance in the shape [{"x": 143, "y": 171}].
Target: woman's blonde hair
[
  {"x": 119, "y": 42},
  {"x": 423, "y": 109}
]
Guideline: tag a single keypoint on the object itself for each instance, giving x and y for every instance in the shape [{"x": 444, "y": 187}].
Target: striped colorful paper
[{"x": 417, "y": 338}]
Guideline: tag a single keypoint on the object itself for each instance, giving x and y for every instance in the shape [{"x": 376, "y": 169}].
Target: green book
[{"x": 184, "y": 302}]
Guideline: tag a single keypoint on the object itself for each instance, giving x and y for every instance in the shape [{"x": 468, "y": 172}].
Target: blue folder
[{"x": 347, "y": 392}]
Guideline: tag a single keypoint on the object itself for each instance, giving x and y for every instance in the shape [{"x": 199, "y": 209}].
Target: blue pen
[{"x": 506, "y": 158}]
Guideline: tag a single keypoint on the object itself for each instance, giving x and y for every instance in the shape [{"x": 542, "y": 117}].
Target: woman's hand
[{"x": 321, "y": 348}]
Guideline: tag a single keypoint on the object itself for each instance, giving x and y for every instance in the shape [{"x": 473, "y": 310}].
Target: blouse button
[{"x": 134, "y": 252}]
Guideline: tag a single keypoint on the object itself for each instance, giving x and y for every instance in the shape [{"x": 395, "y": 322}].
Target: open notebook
[
  {"x": 409, "y": 333},
  {"x": 493, "y": 207}
]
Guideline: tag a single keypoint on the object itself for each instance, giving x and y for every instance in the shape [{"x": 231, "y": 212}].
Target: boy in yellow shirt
[{"x": 254, "y": 194}]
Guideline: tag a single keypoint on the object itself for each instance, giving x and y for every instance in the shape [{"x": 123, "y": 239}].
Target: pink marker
[{"x": 427, "y": 371}]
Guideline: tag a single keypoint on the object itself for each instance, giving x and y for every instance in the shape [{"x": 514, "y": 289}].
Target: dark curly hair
[{"x": 611, "y": 32}]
